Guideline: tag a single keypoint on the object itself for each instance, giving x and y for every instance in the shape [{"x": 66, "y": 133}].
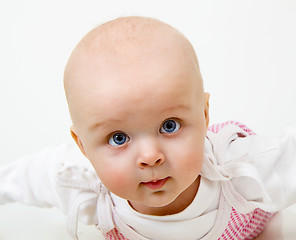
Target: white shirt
[{"x": 201, "y": 212}]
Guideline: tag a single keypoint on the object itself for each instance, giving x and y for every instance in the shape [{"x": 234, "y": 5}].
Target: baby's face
[
  {"x": 142, "y": 121},
  {"x": 144, "y": 130}
]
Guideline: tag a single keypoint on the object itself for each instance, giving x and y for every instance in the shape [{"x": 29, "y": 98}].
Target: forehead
[
  {"x": 112, "y": 81},
  {"x": 115, "y": 109},
  {"x": 139, "y": 90}
]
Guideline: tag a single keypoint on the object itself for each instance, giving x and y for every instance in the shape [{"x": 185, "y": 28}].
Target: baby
[
  {"x": 139, "y": 112},
  {"x": 140, "y": 116}
]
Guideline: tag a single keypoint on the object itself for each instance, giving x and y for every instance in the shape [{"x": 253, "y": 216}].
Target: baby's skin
[{"x": 139, "y": 112}]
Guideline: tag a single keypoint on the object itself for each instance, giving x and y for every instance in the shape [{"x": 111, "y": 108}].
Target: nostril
[
  {"x": 151, "y": 161},
  {"x": 157, "y": 162},
  {"x": 144, "y": 164}
]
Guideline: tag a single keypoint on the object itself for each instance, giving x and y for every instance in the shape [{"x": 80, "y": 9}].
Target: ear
[
  {"x": 77, "y": 139},
  {"x": 206, "y": 108}
]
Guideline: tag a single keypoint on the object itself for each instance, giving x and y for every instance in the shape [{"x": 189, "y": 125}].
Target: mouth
[{"x": 155, "y": 184}]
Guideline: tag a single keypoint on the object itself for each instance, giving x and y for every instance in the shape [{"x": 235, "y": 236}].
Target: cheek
[
  {"x": 115, "y": 177},
  {"x": 115, "y": 181},
  {"x": 192, "y": 160},
  {"x": 188, "y": 153}
]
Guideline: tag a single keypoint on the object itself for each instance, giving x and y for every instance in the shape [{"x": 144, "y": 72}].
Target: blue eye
[
  {"x": 118, "y": 139},
  {"x": 170, "y": 126}
]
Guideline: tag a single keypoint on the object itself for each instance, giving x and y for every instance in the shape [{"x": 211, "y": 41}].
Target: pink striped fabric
[
  {"x": 215, "y": 128},
  {"x": 240, "y": 226},
  {"x": 114, "y": 234},
  {"x": 245, "y": 226}
]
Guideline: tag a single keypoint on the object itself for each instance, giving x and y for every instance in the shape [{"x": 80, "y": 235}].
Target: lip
[{"x": 155, "y": 184}]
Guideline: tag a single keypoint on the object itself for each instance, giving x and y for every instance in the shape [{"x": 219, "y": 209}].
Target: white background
[{"x": 246, "y": 50}]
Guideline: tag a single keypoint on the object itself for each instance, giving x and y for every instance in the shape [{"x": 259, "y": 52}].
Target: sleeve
[
  {"x": 55, "y": 177},
  {"x": 271, "y": 163}
]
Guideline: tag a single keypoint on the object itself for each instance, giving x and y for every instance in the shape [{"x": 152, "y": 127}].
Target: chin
[{"x": 161, "y": 202}]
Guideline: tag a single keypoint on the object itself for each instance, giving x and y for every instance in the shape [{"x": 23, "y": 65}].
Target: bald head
[{"x": 112, "y": 49}]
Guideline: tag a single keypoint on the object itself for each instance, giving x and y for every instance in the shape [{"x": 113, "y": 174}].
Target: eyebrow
[
  {"x": 99, "y": 124},
  {"x": 115, "y": 120},
  {"x": 174, "y": 108}
]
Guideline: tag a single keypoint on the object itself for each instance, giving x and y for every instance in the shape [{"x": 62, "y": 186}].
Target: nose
[{"x": 150, "y": 154}]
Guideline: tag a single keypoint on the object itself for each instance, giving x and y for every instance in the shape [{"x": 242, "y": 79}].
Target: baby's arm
[
  {"x": 275, "y": 162},
  {"x": 30, "y": 180},
  {"x": 34, "y": 180}
]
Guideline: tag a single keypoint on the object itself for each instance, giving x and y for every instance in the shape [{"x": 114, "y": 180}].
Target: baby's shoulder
[
  {"x": 73, "y": 169},
  {"x": 232, "y": 139}
]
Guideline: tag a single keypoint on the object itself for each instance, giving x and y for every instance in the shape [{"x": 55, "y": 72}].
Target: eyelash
[{"x": 124, "y": 138}]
